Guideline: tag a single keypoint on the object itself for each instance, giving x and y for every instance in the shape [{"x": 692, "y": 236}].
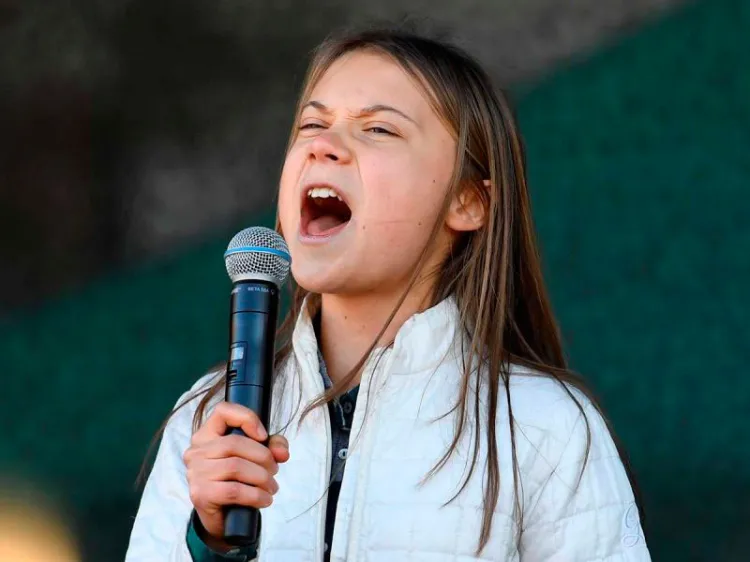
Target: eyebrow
[{"x": 369, "y": 110}]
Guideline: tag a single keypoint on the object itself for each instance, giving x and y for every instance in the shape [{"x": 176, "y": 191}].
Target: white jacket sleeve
[
  {"x": 592, "y": 520},
  {"x": 160, "y": 528}
]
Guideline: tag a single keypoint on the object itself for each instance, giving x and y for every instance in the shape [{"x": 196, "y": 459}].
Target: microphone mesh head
[{"x": 258, "y": 253}]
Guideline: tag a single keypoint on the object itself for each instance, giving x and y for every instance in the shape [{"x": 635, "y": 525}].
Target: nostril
[{"x": 332, "y": 157}]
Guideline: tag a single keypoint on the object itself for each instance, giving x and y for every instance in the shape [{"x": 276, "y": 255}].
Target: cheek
[
  {"x": 288, "y": 204},
  {"x": 403, "y": 196}
]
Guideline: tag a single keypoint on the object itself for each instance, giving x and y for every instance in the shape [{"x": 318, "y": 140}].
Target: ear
[{"x": 467, "y": 211}]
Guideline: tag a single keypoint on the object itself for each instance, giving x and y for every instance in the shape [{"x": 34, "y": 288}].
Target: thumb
[{"x": 279, "y": 447}]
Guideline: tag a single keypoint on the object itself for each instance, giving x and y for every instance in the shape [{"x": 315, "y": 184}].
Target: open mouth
[{"x": 324, "y": 212}]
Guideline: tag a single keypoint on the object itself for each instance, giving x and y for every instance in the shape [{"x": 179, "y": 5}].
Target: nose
[{"x": 329, "y": 146}]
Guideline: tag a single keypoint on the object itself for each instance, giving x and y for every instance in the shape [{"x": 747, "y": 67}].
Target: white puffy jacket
[{"x": 383, "y": 513}]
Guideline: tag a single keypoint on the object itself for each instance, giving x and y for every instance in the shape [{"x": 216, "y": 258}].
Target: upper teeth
[{"x": 323, "y": 192}]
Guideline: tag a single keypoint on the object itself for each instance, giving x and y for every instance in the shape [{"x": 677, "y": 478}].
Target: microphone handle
[{"x": 254, "y": 312}]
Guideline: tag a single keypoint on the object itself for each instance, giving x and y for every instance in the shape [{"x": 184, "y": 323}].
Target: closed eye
[
  {"x": 308, "y": 126},
  {"x": 381, "y": 131}
]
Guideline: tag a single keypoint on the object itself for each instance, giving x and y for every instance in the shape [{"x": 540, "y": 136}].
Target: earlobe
[{"x": 467, "y": 211}]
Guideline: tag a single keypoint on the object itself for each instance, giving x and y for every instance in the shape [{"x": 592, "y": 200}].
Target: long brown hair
[{"x": 494, "y": 274}]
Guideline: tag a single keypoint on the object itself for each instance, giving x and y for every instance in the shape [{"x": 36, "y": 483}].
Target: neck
[{"x": 350, "y": 324}]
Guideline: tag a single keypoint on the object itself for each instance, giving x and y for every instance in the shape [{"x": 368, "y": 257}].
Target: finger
[
  {"x": 238, "y": 470},
  {"x": 242, "y": 447},
  {"x": 227, "y": 415},
  {"x": 279, "y": 447},
  {"x": 210, "y": 494}
]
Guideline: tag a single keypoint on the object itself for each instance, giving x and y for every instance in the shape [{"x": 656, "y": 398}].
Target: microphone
[{"x": 257, "y": 261}]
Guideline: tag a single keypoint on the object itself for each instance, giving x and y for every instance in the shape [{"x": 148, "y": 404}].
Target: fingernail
[{"x": 262, "y": 432}]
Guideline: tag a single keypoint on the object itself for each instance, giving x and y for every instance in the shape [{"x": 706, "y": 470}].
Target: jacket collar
[{"x": 422, "y": 343}]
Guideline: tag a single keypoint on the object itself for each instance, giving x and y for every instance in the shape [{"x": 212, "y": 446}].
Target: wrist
[{"x": 216, "y": 544}]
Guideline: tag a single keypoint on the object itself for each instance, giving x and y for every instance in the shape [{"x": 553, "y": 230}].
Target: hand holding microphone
[
  {"x": 225, "y": 470},
  {"x": 231, "y": 461}
]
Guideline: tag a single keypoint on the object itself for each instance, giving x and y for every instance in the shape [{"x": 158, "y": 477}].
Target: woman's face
[{"x": 365, "y": 179}]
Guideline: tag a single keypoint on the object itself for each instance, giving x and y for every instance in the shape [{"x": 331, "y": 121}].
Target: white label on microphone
[{"x": 238, "y": 352}]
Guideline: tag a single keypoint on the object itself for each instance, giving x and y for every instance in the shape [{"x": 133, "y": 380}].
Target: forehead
[{"x": 363, "y": 78}]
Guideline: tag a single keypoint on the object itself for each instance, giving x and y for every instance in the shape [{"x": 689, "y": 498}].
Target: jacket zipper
[
  {"x": 326, "y": 480},
  {"x": 326, "y": 474},
  {"x": 364, "y": 466}
]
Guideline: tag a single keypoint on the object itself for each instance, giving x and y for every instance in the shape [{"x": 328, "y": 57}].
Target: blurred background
[{"x": 136, "y": 136}]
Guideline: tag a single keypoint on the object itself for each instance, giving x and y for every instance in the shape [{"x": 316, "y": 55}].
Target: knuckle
[
  {"x": 270, "y": 486},
  {"x": 266, "y": 457},
  {"x": 263, "y": 498},
  {"x": 225, "y": 446},
  {"x": 255, "y": 495},
  {"x": 237, "y": 440},
  {"x": 233, "y": 468},
  {"x": 196, "y": 496},
  {"x": 189, "y": 455},
  {"x": 263, "y": 478},
  {"x": 258, "y": 475},
  {"x": 232, "y": 444},
  {"x": 233, "y": 492}
]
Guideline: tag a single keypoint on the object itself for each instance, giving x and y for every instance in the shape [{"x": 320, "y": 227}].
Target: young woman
[{"x": 423, "y": 409}]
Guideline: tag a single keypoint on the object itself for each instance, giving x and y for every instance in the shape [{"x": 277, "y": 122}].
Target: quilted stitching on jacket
[{"x": 385, "y": 511}]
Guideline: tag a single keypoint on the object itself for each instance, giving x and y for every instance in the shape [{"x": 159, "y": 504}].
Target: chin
[
  {"x": 317, "y": 279},
  {"x": 333, "y": 281}
]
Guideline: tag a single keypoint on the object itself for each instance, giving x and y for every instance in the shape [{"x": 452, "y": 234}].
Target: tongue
[{"x": 323, "y": 224}]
